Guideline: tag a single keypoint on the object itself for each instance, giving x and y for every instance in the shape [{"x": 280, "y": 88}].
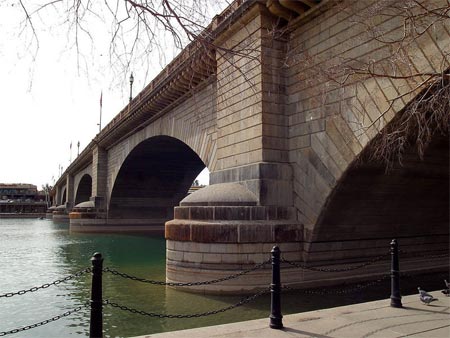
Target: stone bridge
[{"x": 280, "y": 107}]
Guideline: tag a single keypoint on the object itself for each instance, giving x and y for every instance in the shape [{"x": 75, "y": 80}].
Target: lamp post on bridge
[{"x": 131, "y": 85}]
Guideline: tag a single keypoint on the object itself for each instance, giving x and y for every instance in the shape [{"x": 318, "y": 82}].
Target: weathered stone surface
[
  {"x": 182, "y": 232},
  {"x": 221, "y": 194},
  {"x": 220, "y": 233}
]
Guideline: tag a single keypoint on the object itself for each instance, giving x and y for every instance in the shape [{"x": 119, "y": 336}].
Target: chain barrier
[
  {"x": 357, "y": 287},
  {"x": 348, "y": 268},
  {"x": 212, "y": 281},
  {"x": 46, "y": 285},
  {"x": 194, "y": 315},
  {"x": 275, "y": 265},
  {"x": 50, "y": 320}
]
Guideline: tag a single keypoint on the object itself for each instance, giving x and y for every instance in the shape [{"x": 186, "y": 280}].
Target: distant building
[
  {"x": 18, "y": 191},
  {"x": 20, "y": 198}
]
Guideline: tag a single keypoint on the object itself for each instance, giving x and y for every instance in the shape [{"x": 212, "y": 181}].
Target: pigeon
[
  {"x": 446, "y": 291},
  {"x": 426, "y": 297}
]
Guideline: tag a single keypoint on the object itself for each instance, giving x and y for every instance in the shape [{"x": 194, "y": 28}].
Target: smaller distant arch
[
  {"x": 84, "y": 189},
  {"x": 63, "y": 196}
]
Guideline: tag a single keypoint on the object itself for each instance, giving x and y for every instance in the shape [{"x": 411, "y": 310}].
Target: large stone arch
[
  {"x": 83, "y": 189},
  {"x": 411, "y": 198},
  {"x": 153, "y": 178},
  {"x": 371, "y": 205},
  {"x": 192, "y": 122}
]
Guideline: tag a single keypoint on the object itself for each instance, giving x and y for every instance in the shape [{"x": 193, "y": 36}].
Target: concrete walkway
[{"x": 373, "y": 319}]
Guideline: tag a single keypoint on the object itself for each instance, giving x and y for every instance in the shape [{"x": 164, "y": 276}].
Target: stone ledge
[
  {"x": 233, "y": 231},
  {"x": 221, "y": 194},
  {"x": 245, "y": 213}
]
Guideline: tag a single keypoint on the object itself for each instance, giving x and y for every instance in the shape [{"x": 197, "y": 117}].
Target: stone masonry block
[
  {"x": 212, "y": 258},
  {"x": 181, "y": 213},
  {"x": 224, "y": 248},
  {"x": 232, "y": 213},
  {"x": 178, "y": 232},
  {"x": 288, "y": 233},
  {"x": 250, "y": 248},
  {"x": 257, "y": 258},
  {"x": 255, "y": 233},
  {"x": 217, "y": 233},
  {"x": 201, "y": 213},
  {"x": 174, "y": 255},
  {"x": 193, "y": 257}
]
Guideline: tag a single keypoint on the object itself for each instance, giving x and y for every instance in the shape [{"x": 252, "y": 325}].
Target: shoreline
[{"x": 22, "y": 215}]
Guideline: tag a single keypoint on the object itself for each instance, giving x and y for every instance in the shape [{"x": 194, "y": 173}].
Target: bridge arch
[
  {"x": 63, "y": 196},
  {"x": 370, "y": 205},
  {"x": 153, "y": 178},
  {"x": 83, "y": 189}
]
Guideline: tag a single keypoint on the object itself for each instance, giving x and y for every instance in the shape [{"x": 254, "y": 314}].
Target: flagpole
[{"x": 100, "y": 124}]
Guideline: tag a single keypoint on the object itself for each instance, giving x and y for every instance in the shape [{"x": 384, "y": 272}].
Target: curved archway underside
[
  {"x": 154, "y": 178},
  {"x": 84, "y": 190},
  {"x": 411, "y": 201},
  {"x": 63, "y": 196}
]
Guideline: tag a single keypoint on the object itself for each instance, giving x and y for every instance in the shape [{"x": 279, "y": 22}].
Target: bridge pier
[
  {"x": 220, "y": 230},
  {"x": 49, "y": 212},
  {"x": 61, "y": 212},
  {"x": 91, "y": 216}
]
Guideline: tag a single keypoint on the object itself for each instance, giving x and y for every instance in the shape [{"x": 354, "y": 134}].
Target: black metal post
[
  {"x": 96, "y": 324},
  {"x": 276, "y": 321},
  {"x": 396, "y": 298},
  {"x": 131, "y": 86}
]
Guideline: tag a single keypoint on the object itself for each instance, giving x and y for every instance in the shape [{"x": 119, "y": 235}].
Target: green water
[{"x": 34, "y": 252}]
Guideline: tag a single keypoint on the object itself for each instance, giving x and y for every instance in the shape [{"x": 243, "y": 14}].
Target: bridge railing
[{"x": 97, "y": 303}]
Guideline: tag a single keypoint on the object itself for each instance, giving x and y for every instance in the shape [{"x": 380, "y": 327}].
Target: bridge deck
[{"x": 372, "y": 319}]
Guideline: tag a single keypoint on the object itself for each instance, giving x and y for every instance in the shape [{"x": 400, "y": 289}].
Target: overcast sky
[{"x": 52, "y": 99}]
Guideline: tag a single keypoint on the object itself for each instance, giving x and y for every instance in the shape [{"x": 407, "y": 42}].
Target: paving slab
[{"x": 373, "y": 319}]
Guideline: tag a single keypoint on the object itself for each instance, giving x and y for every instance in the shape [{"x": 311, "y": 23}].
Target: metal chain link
[
  {"x": 32, "y": 326},
  {"x": 46, "y": 285},
  {"x": 213, "y": 281},
  {"x": 194, "y": 315},
  {"x": 338, "y": 291},
  {"x": 348, "y": 268}
]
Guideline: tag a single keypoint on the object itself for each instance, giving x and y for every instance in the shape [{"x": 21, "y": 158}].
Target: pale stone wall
[
  {"x": 58, "y": 195},
  {"x": 99, "y": 172},
  {"x": 330, "y": 125},
  {"x": 70, "y": 190},
  {"x": 239, "y": 93},
  {"x": 251, "y": 120}
]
